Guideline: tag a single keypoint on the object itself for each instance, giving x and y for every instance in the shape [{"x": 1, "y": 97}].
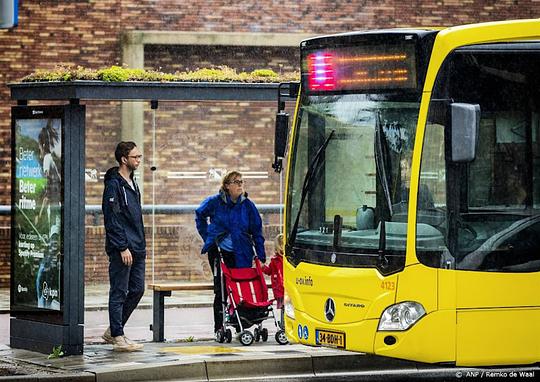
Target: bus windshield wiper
[
  {"x": 381, "y": 161},
  {"x": 311, "y": 171}
]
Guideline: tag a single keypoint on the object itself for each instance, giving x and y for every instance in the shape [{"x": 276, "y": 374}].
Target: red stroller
[{"x": 246, "y": 304}]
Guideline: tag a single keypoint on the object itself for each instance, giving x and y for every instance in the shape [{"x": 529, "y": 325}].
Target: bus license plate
[{"x": 331, "y": 339}]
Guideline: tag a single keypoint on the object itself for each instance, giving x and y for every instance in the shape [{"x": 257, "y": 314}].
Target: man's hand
[{"x": 127, "y": 259}]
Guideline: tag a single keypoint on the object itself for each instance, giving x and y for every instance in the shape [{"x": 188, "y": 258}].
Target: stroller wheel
[
  {"x": 257, "y": 334},
  {"x": 228, "y": 335},
  {"x": 264, "y": 334},
  {"x": 246, "y": 338},
  {"x": 220, "y": 336},
  {"x": 281, "y": 338}
]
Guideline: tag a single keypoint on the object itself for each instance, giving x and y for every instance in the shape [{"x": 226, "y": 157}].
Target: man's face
[{"x": 134, "y": 159}]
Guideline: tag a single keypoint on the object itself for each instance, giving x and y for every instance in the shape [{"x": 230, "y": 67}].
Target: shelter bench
[
  {"x": 165, "y": 290},
  {"x": 158, "y": 307}
]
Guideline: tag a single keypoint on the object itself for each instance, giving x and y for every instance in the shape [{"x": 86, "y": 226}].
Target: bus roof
[
  {"x": 360, "y": 35},
  {"x": 420, "y": 32}
]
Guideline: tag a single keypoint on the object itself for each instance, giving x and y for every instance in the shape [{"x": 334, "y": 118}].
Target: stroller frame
[{"x": 231, "y": 312}]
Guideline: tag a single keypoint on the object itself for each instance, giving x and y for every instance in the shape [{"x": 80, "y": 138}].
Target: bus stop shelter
[{"x": 41, "y": 328}]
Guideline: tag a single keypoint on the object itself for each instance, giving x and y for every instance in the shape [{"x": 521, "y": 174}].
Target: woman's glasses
[{"x": 237, "y": 182}]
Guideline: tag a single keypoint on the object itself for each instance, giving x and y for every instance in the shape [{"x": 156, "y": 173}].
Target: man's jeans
[{"x": 126, "y": 290}]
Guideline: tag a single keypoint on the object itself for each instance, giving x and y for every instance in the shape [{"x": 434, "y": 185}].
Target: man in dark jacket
[{"x": 125, "y": 243}]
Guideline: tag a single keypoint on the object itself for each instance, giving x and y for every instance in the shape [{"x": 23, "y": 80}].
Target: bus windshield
[{"x": 360, "y": 178}]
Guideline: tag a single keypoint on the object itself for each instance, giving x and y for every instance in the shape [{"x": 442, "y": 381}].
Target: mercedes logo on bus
[{"x": 330, "y": 309}]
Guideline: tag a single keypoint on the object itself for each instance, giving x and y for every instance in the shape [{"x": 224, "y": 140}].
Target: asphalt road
[{"x": 443, "y": 374}]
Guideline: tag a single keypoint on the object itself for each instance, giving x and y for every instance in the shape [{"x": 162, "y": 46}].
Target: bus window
[
  {"x": 431, "y": 222},
  {"x": 362, "y": 177},
  {"x": 487, "y": 214}
]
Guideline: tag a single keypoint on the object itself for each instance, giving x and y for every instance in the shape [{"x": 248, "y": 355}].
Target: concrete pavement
[
  {"x": 208, "y": 361},
  {"x": 190, "y": 355},
  {"x": 188, "y": 314},
  {"x": 201, "y": 360}
]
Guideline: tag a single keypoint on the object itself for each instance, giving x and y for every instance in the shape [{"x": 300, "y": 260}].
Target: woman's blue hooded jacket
[{"x": 240, "y": 219}]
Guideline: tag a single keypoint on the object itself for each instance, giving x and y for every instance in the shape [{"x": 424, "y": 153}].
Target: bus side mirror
[
  {"x": 465, "y": 124},
  {"x": 280, "y": 139},
  {"x": 285, "y": 90}
]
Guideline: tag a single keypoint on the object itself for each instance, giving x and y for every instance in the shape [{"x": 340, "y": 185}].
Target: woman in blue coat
[{"x": 231, "y": 221}]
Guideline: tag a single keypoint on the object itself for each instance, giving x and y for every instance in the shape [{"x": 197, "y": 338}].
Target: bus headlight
[
  {"x": 288, "y": 306},
  {"x": 401, "y": 316}
]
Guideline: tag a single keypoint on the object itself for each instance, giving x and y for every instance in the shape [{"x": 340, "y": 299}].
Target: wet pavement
[
  {"x": 188, "y": 314},
  {"x": 190, "y": 354},
  {"x": 201, "y": 360}
]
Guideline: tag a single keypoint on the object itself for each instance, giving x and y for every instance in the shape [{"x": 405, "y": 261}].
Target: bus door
[
  {"x": 490, "y": 204},
  {"x": 498, "y": 243}
]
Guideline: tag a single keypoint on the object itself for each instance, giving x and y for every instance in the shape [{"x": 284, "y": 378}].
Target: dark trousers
[
  {"x": 126, "y": 290},
  {"x": 213, "y": 259}
]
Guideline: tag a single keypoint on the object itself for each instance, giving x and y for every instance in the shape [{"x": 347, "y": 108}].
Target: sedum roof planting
[{"x": 122, "y": 74}]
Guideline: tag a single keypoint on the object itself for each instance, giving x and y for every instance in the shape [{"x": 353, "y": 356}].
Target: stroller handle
[{"x": 258, "y": 263}]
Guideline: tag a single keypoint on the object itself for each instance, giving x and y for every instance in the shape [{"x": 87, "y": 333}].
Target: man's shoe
[
  {"x": 121, "y": 345},
  {"x": 134, "y": 344},
  {"x": 107, "y": 337}
]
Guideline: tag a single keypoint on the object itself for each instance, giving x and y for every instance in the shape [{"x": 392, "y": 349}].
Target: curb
[
  {"x": 208, "y": 370},
  {"x": 254, "y": 367},
  {"x": 178, "y": 371},
  {"x": 338, "y": 363}
]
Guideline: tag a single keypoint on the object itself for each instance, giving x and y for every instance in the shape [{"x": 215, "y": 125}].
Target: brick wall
[
  {"x": 194, "y": 136},
  {"x": 176, "y": 254},
  {"x": 173, "y": 58},
  {"x": 190, "y": 136}
]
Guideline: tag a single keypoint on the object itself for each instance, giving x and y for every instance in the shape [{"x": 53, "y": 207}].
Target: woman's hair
[
  {"x": 278, "y": 243},
  {"x": 123, "y": 149},
  {"x": 228, "y": 178},
  {"x": 48, "y": 137}
]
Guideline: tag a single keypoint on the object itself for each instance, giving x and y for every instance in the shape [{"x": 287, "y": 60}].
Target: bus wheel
[{"x": 281, "y": 338}]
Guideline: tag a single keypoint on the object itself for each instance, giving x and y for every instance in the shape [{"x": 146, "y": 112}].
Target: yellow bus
[{"x": 412, "y": 220}]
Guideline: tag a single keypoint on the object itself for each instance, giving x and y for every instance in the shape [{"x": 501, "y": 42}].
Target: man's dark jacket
[{"x": 122, "y": 213}]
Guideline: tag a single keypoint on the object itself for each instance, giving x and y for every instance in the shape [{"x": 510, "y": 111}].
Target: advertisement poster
[{"x": 38, "y": 214}]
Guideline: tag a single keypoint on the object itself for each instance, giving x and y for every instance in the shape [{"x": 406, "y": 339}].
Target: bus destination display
[{"x": 360, "y": 68}]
